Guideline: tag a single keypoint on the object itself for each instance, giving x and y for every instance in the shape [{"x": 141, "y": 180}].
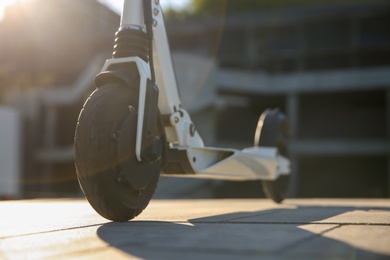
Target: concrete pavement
[{"x": 199, "y": 229}]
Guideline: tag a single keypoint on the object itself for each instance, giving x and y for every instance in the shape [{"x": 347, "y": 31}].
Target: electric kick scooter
[{"x": 133, "y": 127}]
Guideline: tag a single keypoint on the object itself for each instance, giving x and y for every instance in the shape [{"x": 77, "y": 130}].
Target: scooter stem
[{"x": 132, "y": 14}]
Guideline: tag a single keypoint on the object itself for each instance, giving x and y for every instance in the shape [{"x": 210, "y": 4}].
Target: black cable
[{"x": 148, "y": 16}]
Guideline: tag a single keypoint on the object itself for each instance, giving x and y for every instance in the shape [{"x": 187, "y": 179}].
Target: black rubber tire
[
  {"x": 96, "y": 152},
  {"x": 273, "y": 131}
]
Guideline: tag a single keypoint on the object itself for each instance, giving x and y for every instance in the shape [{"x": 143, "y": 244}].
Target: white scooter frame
[{"x": 254, "y": 163}]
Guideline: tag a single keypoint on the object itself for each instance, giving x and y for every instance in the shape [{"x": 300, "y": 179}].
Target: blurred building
[
  {"x": 50, "y": 52},
  {"x": 327, "y": 67}
]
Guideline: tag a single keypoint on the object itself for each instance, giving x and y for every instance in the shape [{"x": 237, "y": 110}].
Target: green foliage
[{"x": 207, "y": 7}]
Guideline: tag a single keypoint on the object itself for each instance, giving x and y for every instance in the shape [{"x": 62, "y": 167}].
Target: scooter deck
[{"x": 254, "y": 163}]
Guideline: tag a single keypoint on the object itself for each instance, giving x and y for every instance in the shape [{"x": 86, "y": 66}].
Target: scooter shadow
[{"x": 272, "y": 234}]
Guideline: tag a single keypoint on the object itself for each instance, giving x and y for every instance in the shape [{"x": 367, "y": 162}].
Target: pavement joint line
[
  {"x": 215, "y": 251},
  {"x": 255, "y": 215},
  {"x": 205, "y": 222},
  {"x": 50, "y": 231},
  {"x": 304, "y": 240},
  {"x": 291, "y": 223}
]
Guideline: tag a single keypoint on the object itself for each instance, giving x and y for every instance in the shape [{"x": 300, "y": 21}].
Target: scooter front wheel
[
  {"x": 272, "y": 131},
  {"x": 116, "y": 185}
]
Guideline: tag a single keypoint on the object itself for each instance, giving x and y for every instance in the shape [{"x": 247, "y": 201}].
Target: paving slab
[{"x": 199, "y": 229}]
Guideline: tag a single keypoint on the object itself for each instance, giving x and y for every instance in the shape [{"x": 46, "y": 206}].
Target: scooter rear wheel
[
  {"x": 272, "y": 131},
  {"x": 116, "y": 185}
]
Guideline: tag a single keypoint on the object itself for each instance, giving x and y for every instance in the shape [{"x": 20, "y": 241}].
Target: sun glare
[
  {"x": 116, "y": 5},
  {"x": 4, "y": 4}
]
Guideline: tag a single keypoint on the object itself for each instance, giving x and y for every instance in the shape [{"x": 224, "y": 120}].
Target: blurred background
[{"x": 326, "y": 64}]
